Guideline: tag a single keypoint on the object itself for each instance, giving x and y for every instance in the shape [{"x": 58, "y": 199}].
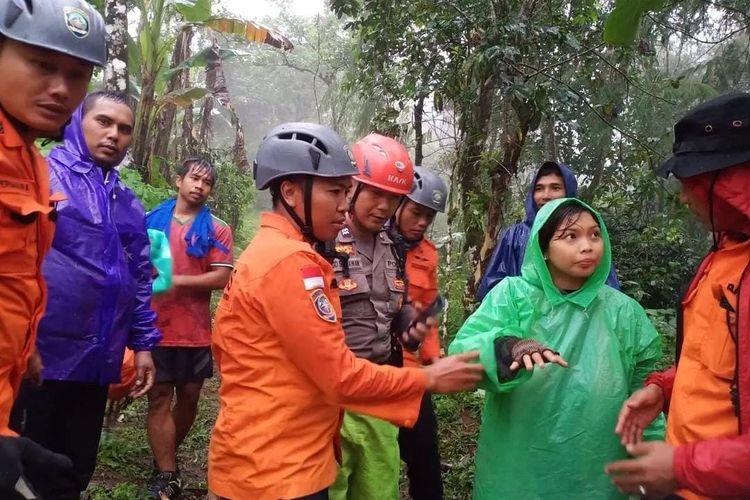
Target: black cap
[{"x": 712, "y": 136}]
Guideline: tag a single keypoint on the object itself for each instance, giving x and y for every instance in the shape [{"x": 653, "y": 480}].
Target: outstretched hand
[
  {"x": 637, "y": 413},
  {"x": 529, "y": 353}
]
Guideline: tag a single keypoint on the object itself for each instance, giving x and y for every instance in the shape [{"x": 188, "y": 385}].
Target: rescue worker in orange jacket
[
  {"x": 706, "y": 394},
  {"x": 371, "y": 274},
  {"x": 286, "y": 373},
  {"x": 418, "y": 446},
  {"x": 48, "y": 49}
]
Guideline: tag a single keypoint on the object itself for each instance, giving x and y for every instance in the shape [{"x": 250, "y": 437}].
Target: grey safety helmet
[
  {"x": 71, "y": 27},
  {"x": 429, "y": 189},
  {"x": 306, "y": 149}
]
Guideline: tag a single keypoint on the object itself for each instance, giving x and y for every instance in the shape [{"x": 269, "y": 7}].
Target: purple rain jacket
[{"x": 98, "y": 271}]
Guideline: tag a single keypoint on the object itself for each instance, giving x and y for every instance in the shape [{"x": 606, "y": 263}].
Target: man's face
[
  {"x": 108, "y": 129},
  {"x": 195, "y": 186},
  {"x": 41, "y": 88},
  {"x": 329, "y": 206},
  {"x": 696, "y": 205},
  {"x": 374, "y": 207},
  {"x": 328, "y": 203},
  {"x": 414, "y": 219},
  {"x": 548, "y": 188}
]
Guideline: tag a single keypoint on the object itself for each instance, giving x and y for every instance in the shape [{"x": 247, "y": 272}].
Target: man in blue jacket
[
  {"x": 552, "y": 181},
  {"x": 99, "y": 277}
]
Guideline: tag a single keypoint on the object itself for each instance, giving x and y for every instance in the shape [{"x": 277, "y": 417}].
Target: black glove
[
  {"x": 510, "y": 349},
  {"x": 16, "y": 453}
]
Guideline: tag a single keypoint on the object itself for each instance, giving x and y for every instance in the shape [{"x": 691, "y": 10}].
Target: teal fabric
[
  {"x": 549, "y": 433},
  {"x": 161, "y": 259}
]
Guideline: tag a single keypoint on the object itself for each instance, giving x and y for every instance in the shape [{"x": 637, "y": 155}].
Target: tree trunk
[
  {"x": 217, "y": 85},
  {"x": 550, "y": 139},
  {"x": 188, "y": 139},
  {"x": 474, "y": 124},
  {"x": 514, "y": 135},
  {"x": 144, "y": 111},
  {"x": 116, "y": 68},
  {"x": 165, "y": 120},
  {"x": 418, "y": 133}
]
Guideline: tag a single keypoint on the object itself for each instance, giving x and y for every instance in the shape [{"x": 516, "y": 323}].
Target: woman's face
[{"x": 575, "y": 251}]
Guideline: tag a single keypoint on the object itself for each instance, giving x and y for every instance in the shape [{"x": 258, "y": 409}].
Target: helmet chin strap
[{"x": 306, "y": 226}]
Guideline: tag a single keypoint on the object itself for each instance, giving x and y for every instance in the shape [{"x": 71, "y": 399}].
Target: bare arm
[{"x": 215, "y": 279}]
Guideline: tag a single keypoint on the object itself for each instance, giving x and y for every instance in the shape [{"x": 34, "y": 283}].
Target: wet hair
[
  {"x": 199, "y": 166},
  {"x": 110, "y": 95},
  {"x": 564, "y": 216},
  {"x": 549, "y": 168}
]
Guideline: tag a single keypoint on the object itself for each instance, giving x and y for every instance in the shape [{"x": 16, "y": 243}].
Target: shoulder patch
[
  {"x": 312, "y": 277},
  {"x": 323, "y": 306}
]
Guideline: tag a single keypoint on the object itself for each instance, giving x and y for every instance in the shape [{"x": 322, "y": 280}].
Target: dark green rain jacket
[{"x": 549, "y": 433}]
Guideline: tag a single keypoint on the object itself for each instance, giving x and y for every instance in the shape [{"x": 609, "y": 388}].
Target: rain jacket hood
[
  {"x": 508, "y": 255},
  {"x": 726, "y": 192},
  {"x": 571, "y": 191},
  {"x": 535, "y": 270},
  {"x": 556, "y": 420},
  {"x": 98, "y": 271}
]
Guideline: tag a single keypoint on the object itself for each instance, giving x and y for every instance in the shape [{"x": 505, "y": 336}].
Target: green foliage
[
  {"x": 121, "y": 491},
  {"x": 623, "y": 22},
  {"x": 665, "y": 321},
  {"x": 193, "y": 10},
  {"x": 234, "y": 192},
  {"x": 149, "y": 195}
]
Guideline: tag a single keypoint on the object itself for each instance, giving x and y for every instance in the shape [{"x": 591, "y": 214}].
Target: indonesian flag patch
[{"x": 312, "y": 277}]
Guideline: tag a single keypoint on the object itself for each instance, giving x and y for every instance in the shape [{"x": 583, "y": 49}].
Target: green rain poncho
[{"x": 549, "y": 434}]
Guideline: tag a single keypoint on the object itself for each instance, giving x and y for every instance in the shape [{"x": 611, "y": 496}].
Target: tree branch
[
  {"x": 630, "y": 81},
  {"x": 564, "y": 61},
  {"x": 595, "y": 111},
  {"x": 688, "y": 35}
]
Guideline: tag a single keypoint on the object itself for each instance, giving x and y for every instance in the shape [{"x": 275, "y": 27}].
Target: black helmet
[
  {"x": 71, "y": 27},
  {"x": 712, "y": 136},
  {"x": 301, "y": 149},
  {"x": 429, "y": 189},
  {"x": 306, "y": 149}
]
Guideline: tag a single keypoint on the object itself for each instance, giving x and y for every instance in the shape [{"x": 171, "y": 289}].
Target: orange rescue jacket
[
  {"x": 421, "y": 269},
  {"x": 26, "y": 231},
  {"x": 286, "y": 373}
]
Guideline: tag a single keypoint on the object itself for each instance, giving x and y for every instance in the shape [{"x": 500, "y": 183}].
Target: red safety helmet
[{"x": 383, "y": 163}]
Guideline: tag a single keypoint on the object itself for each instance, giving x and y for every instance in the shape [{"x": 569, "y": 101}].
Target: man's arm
[
  {"x": 221, "y": 264},
  {"x": 215, "y": 279},
  {"x": 665, "y": 381},
  {"x": 311, "y": 334},
  {"x": 716, "y": 467}
]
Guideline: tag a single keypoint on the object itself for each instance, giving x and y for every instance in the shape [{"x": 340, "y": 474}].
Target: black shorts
[{"x": 178, "y": 365}]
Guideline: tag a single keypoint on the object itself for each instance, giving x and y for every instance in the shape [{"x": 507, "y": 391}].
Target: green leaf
[
  {"x": 194, "y": 11},
  {"x": 200, "y": 59},
  {"x": 623, "y": 22},
  {"x": 184, "y": 97},
  {"x": 146, "y": 47}
]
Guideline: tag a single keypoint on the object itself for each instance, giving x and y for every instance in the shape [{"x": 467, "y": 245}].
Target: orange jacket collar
[
  {"x": 281, "y": 223},
  {"x": 8, "y": 133}
]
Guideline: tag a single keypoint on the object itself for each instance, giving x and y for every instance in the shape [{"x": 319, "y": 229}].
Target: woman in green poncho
[{"x": 548, "y": 433}]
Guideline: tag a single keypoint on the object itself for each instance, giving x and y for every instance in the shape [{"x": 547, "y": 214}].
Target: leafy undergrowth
[
  {"x": 125, "y": 462},
  {"x": 125, "y": 466}
]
